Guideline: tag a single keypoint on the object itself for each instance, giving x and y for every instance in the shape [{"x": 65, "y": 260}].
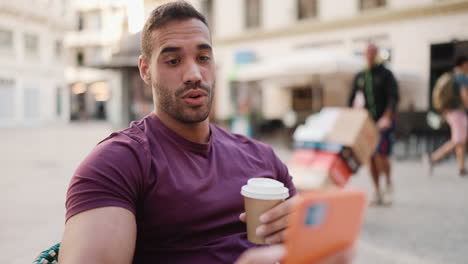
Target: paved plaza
[{"x": 428, "y": 222}]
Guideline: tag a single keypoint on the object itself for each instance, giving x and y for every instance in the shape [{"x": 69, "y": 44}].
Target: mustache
[{"x": 191, "y": 86}]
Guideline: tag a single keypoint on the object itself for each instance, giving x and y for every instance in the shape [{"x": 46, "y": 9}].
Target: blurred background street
[
  {"x": 69, "y": 76},
  {"x": 426, "y": 224}
]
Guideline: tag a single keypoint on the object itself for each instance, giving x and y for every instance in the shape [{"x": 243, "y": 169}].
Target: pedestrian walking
[
  {"x": 376, "y": 89},
  {"x": 450, "y": 97}
]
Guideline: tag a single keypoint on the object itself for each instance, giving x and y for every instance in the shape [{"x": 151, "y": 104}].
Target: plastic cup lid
[{"x": 265, "y": 189}]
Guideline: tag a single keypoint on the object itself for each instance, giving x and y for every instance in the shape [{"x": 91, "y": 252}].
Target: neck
[{"x": 195, "y": 132}]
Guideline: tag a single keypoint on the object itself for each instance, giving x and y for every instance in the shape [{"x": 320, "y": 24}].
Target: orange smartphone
[{"x": 322, "y": 223}]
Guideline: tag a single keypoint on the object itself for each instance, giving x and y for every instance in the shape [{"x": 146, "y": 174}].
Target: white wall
[
  {"x": 278, "y": 13},
  {"x": 405, "y": 3},
  {"x": 229, "y": 18},
  {"x": 334, "y": 9}
]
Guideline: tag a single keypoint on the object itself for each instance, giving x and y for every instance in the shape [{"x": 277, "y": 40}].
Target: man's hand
[
  {"x": 274, "y": 222},
  {"x": 384, "y": 123},
  {"x": 274, "y": 254}
]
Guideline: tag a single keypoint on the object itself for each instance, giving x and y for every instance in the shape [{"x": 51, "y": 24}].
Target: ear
[{"x": 144, "y": 68}]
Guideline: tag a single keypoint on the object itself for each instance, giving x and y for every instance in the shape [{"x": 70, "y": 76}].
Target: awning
[{"x": 300, "y": 64}]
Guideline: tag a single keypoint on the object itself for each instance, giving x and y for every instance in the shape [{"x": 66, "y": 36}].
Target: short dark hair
[
  {"x": 178, "y": 10},
  {"x": 460, "y": 60}
]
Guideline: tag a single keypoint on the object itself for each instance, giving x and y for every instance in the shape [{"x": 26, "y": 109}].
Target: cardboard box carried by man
[{"x": 330, "y": 146}]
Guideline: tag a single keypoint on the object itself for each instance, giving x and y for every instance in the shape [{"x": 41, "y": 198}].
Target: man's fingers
[
  {"x": 242, "y": 217},
  {"x": 272, "y": 227},
  {"x": 278, "y": 211},
  {"x": 276, "y": 238},
  {"x": 266, "y": 255}
]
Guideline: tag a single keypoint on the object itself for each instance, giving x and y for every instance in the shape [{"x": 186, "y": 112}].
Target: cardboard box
[
  {"x": 349, "y": 127},
  {"x": 345, "y": 153},
  {"x": 313, "y": 169},
  {"x": 355, "y": 129}
]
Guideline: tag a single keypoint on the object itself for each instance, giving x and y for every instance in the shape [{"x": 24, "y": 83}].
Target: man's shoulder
[{"x": 133, "y": 137}]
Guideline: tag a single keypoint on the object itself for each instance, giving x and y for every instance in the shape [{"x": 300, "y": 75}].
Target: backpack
[{"x": 444, "y": 96}]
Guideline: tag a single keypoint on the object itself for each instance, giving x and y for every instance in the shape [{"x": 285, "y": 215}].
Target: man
[
  {"x": 456, "y": 118},
  {"x": 377, "y": 88},
  {"x": 167, "y": 189}
]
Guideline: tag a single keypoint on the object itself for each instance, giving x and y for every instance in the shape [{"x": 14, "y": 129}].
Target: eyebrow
[
  {"x": 170, "y": 49},
  {"x": 204, "y": 46},
  {"x": 177, "y": 49}
]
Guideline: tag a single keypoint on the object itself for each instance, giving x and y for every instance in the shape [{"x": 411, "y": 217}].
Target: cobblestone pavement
[{"x": 428, "y": 222}]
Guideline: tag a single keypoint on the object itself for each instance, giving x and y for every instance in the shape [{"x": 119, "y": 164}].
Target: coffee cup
[{"x": 260, "y": 195}]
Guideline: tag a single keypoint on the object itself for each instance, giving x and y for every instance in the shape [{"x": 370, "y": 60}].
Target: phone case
[{"x": 322, "y": 223}]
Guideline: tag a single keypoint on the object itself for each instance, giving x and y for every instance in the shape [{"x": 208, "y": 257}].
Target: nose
[{"x": 192, "y": 74}]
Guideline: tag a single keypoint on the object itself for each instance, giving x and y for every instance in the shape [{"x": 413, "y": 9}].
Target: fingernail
[
  {"x": 260, "y": 230},
  {"x": 263, "y": 218}
]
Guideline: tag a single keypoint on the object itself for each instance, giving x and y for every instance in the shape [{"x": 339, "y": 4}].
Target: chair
[{"x": 49, "y": 255}]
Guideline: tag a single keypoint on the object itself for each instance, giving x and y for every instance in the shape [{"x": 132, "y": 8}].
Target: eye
[
  {"x": 173, "y": 62},
  {"x": 203, "y": 59}
]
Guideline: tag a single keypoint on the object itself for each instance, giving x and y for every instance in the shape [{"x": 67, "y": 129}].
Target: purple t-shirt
[{"x": 185, "y": 196}]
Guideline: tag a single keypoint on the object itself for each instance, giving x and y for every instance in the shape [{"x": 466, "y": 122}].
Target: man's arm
[
  {"x": 354, "y": 89},
  {"x": 393, "y": 97},
  {"x": 103, "y": 235}
]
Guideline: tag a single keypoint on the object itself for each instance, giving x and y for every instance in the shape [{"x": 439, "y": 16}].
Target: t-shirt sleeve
[
  {"x": 283, "y": 173},
  {"x": 111, "y": 175}
]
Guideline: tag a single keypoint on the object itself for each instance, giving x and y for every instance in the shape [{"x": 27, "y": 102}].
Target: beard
[{"x": 172, "y": 104}]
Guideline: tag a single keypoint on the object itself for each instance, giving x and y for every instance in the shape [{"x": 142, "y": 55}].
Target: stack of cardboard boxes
[{"x": 331, "y": 146}]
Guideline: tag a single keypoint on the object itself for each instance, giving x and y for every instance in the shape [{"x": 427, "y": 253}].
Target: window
[
  {"x": 89, "y": 20},
  {"x": 207, "y": 10},
  {"x": 7, "y": 99},
  {"x": 31, "y": 44},
  {"x": 6, "y": 39},
  {"x": 370, "y": 4},
  {"x": 252, "y": 13},
  {"x": 306, "y": 9},
  {"x": 58, "y": 48},
  {"x": 96, "y": 56},
  {"x": 93, "y": 20},
  {"x": 80, "y": 58},
  {"x": 80, "y": 22},
  {"x": 307, "y": 98},
  {"x": 58, "y": 100},
  {"x": 31, "y": 103}
]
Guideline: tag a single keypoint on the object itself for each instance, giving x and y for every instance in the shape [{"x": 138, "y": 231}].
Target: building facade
[
  {"x": 257, "y": 40},
  {"x": 97, "y": 28},
  {"x": 32, "y": 61}
]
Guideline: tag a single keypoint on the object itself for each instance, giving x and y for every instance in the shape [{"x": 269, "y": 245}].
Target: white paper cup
[{"x": 260, "y": 195}]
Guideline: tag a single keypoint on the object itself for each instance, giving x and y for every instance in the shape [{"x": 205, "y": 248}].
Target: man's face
[
  {"x": 371, "y": 55},
  {"x": 181, "y": 70}
]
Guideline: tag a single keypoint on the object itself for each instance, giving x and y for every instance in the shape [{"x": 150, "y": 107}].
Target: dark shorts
[{"x": 384, "y": 147}]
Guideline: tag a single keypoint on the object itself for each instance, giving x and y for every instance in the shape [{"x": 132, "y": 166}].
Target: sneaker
[
  {"x": 463, "y": 173},
  {"x": 388, "y": 195},
  {"x": 376, "y": 200},
  {"x": 427, "y": 164}
]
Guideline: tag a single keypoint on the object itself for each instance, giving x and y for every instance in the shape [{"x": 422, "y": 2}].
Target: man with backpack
[{"x": 450, "y": 97}]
